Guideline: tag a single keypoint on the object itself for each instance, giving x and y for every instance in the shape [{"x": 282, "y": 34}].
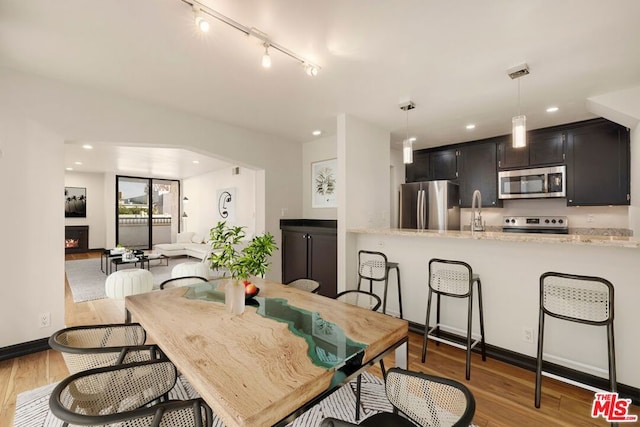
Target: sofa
[{"x": 187, "y": 243}]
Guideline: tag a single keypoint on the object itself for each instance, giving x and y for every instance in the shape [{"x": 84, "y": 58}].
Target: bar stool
[
  {"x": 453, "y": 279},
  {"x": 582, "y": 299},
  {"x": 374, "y": 267}
]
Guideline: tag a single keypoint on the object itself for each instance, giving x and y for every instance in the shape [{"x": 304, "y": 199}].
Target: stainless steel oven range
[{"x": 536, "y": 224}]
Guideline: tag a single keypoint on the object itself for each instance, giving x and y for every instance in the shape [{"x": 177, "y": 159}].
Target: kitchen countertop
[{"x": 573, "y": 239}]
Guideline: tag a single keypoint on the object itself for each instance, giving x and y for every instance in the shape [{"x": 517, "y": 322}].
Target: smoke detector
[{"x": 518, "y": 71}]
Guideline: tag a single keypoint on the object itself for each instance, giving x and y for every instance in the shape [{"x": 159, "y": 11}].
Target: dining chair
[
  {"x": 134, "y": 394},
  {"x": 369, "y": 301},
  {"x": 308, "y": 285},
  {"x": 94, "y": 346},
  {"x": 425, "y": 400},
  {"x": 176, "y": 282}
]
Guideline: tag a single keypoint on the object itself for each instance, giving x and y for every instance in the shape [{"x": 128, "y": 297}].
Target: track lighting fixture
[
  {"x": 201, "y": 22},
  {"x": 266, "y": 59},
  {"x": 203, "y": 12}
]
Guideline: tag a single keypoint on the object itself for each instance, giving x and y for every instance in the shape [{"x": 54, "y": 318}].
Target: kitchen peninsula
[{"x": 510, "y": 265}]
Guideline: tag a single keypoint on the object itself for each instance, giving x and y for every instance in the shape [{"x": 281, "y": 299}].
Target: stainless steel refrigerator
[{"x": 430, "y": 205}]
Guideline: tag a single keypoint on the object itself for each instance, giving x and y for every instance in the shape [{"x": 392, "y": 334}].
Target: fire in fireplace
[{"x": 76, "y": 239}]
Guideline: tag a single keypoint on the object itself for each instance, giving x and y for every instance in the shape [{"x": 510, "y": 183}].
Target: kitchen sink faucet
[{"x": 476, "y": 212}]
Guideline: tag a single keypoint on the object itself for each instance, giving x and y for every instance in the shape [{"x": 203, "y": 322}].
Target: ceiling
[{"x": 450, "y": 57}]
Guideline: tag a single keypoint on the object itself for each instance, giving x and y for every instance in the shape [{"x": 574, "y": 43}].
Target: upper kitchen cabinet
[
  {"x": 430, "y": 165},
  {"x": 419, "y": 169},
  {"x": 598, "y": 164},
  {"x": 443, "y": 164},
  {"x": 544, "y": 147},
  {"x": 477, "y": 171}
]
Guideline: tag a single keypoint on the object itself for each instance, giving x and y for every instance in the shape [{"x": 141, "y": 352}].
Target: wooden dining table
[{"x": 283, "y": 354}]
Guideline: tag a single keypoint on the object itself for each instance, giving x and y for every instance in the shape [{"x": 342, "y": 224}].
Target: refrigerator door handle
[
  {"x": 418, "y": 210},
  {"x": 422, "y": 210}
]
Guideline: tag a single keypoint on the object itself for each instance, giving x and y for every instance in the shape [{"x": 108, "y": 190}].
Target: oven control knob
[
  {"x": 506, "y": 220},
  {"x": 560, "y": 221},
  {"x": 553, "y": 221},
  {"x": 546, "y": 221},
  {"x": 513, "y": 221}
]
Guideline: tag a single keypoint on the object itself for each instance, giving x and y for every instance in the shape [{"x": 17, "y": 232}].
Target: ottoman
[
  {"x": 128, "y": 282},
  {"x": 191, "y": 269}
]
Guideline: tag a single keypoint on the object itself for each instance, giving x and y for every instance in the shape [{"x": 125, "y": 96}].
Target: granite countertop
[{"x": 574, "y": 239}]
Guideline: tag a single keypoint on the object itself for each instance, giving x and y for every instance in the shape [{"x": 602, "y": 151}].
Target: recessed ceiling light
[
  {"x": 78, "y": 163},
  {"x": 69, "y": 169},
  {"x": 316, "y": 132},
  {"x": 196, "y": 162},
  {"x": 552, "y": 109},
  {"x": 87, "y": 147},
  {"x": 471, "y": 126}
]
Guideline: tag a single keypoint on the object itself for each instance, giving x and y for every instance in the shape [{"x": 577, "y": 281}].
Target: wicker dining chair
[
  {"x": 308, "y": 285},
  {"x": 176, "y": 282},
  {"x": 425, "y": 400},
  {"x": 134, "y": 394},
  {"x": 94, "y": 346}
]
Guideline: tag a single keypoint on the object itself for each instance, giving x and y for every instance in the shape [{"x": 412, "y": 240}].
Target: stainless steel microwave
[{"x": 533, "y": 183}]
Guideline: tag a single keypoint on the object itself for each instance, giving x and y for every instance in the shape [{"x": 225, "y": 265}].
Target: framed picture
[
  {"x": 323, "y": 184},
  {"x": 75, "y": 202},
  {"x": 226, "y": 205}
]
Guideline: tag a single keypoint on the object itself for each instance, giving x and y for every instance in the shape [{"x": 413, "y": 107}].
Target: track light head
[
  {"x": 266, "y": 59},
  {"x": 201, "y": 22},
  {"x": 310, "y": 69}
]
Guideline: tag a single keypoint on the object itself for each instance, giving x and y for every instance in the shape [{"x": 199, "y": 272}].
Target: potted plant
[{"x": 241, "y": 263}]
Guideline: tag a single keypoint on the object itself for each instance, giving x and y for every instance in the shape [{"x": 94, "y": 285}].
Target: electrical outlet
[
  {"x": 527, "y": 335},
  {"x": 44, "y": 320}
]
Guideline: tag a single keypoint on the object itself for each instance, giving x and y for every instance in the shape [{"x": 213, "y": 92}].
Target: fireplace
[{"x": 76, "y": 239}]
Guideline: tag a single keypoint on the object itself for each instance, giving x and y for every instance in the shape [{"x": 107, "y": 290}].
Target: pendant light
[
  {"x": 407, "y": 144},
  {"x": 519, "y": 122},
  {"x": 266, "y": 59}
]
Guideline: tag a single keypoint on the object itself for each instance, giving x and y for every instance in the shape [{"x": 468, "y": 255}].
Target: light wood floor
[{"x": 503, "y": 393}]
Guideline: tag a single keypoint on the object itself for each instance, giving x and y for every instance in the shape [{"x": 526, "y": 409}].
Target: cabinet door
[
  {"x": 509, "y": 157},
  {"x": 443, "y": 164},
  {"x": 323, "y": 262},
  {"x": 546, "y": 148},
  {"x": 294, "y": 255},
  {"x": 598, "y": 165},
  {"x": 477, "y": 171},
  {"x": 419, "y": 169}
]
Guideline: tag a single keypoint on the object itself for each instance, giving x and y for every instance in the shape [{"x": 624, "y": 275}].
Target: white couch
[{"x": 187, "y": 243}]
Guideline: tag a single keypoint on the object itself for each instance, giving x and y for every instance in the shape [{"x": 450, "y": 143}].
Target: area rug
[
  {"x": 86, "y": 280},
  {"x": 32, "y": 407}
]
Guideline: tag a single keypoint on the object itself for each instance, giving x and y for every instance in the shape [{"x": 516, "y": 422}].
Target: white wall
[
  {"x": 97, "y": 116},
  {"x": 32, "y": 228},
  {"x": 96, "y": 208},
  {"x": 202, "y": 208},
  {"x": 315, "y": 151},
  {"x": 363, "y": 181}
]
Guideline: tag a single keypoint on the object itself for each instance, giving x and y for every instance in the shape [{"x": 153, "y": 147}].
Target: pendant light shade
[
  {"x": 407, "y": 144},
  {"x": 519, "y": 122},
  {"x": 407, "y": 151},
  {"x": 519, "y": 131}
]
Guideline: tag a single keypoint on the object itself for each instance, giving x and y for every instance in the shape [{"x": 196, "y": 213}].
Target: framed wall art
[
  {"x": 226, "y": 205},
  {"x": 323, "y": 184},
  {"x": 75, "y": 202}
]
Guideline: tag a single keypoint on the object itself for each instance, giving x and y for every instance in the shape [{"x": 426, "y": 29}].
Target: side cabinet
[
  {"x": 310, "y": 251},
  {"x": 598, "y": 165},
  {"x": 477, "y": 171}
]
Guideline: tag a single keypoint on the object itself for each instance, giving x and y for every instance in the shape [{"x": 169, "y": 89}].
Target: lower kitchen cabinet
[
  {"x": 310, "y": 250},
  {"x": 598, "y": 164}
]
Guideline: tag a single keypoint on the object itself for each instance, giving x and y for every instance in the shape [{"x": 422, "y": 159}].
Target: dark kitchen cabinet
[
  {"x": 598, "y": 164},
  {"x": 310, "y": 250},
  {"x": 443, "y": 164},
  {"x": 430, "y": 165},
  {"x": 544, "y": 148},
  {"x": 477, "y": 171},
  {"x": 419, "y": 169}
]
